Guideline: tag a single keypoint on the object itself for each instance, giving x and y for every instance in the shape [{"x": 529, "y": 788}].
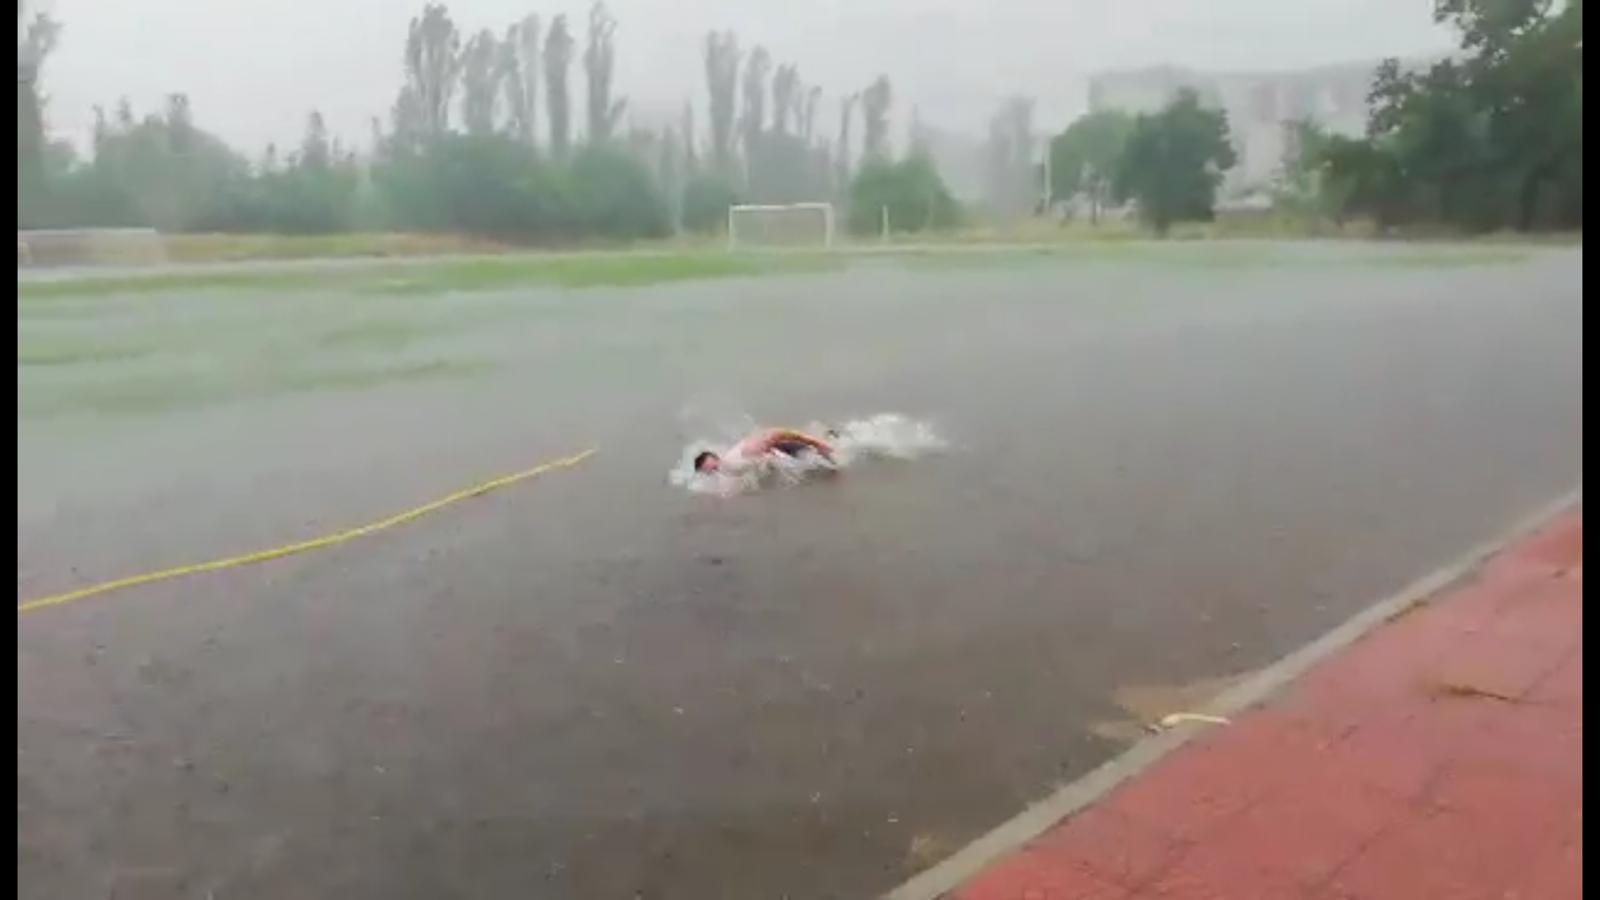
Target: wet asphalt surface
[{"x": 598, "y": 685}]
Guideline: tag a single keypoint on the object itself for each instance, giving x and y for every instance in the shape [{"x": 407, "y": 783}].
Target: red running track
[{"x": 1440, "y": 756}]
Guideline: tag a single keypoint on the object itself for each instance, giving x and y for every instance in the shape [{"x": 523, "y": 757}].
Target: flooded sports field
[{"x": 1103, "y": 475}]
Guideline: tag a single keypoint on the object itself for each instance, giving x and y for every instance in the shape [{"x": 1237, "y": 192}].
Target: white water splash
[{"x": 881, "y": 436}]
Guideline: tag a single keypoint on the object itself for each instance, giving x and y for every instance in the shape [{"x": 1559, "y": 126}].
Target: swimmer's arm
[{"x": 821, "y": 447}]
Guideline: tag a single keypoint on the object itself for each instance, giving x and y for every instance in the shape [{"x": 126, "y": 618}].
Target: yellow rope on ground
[{"x": 314, "y": 544}]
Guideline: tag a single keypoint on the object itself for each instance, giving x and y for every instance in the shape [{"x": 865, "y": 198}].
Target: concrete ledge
[{"x": 956, "y": 869}]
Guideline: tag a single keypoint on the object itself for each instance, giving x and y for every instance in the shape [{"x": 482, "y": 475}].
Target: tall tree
[
  {"x": 781, "y": 164},
  {"x": 599, "y": 59},
  {"x": 1524, "y": 75},
  {"x": 375, "y": 137},
  {"x": 162, "y": 171},
  {"x": 180, "y": 123},
  {"x": 1299, "y": 186},
  {"x": 722, "y": 77},
  {"x": 1359, "y": 177},
  {"x": 33, "y": 49},
  {"x": 753, "y": 119},
  {"x": 508, "y": 70},
  {"x": 520, "y": 76},
  {"x": 1173, "y": 162},
  {"x": 875, "y": 102},
  {"x": 1492, "y": 137},
  {"x": 408, "y": 126},
  {"x": 315, "y": 151},
  {"x": 557, "y": 62},
  {"x": 808, "y": 113},
  {"x": 1084, "y": 157},
  {"x": 481, "y": 70},
  {"x": 433, "y": 48},
  {"x": 101, "y": 130},
  {"x": 785, "y": 93},
  {"x": 686, "y": 132}
]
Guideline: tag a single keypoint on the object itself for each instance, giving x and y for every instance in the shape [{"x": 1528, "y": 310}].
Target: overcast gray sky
[{"x": 254, "y": 68}]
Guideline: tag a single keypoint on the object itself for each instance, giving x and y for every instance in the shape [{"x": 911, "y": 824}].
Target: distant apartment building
[{"x": 1259, "y": 105}]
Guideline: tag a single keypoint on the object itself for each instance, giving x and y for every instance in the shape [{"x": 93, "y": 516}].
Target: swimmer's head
[{"x": 706, "y": 461}]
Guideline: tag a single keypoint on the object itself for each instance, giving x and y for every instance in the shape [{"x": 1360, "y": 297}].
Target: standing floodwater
[{"x": 1163, "y": 469}]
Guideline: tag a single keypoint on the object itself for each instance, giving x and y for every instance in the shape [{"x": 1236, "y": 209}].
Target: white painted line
[{"x": 949, "y": 874}]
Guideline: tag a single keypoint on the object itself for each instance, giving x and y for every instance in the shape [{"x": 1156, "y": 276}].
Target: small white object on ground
[{"x": 1175, "y": 719}]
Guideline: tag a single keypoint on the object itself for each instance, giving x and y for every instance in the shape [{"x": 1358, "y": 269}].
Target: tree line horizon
[{"x": 1480, "y": 142}]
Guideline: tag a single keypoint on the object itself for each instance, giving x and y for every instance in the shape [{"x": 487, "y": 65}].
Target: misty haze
[{"x": 910, "y": 448}]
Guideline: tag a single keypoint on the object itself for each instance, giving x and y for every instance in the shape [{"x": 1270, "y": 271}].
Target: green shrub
[{"x": 911, "y": 189}]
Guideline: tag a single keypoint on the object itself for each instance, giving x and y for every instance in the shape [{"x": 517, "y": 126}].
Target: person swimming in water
[{"x": 763, "y": 445}]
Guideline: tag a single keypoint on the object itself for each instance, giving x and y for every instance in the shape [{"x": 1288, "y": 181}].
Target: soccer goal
[
  {"x": 781, "y": 225},
  {"x": 90, "y": 247}
]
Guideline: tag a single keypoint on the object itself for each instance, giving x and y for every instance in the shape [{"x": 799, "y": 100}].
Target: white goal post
[
  {"x": 780, "y": 225},
  {"x": 90, "y": 247}
]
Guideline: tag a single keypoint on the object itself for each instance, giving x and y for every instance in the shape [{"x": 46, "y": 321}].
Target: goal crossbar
[
  {"x": 89, "y": 246},
  {"x": 771, "y": 232}
]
